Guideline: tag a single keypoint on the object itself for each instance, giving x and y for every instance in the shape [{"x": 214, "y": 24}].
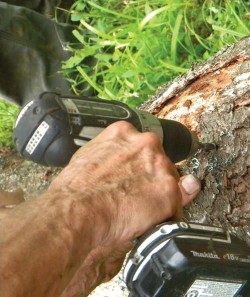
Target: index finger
[{"x": 121, "y": 129}]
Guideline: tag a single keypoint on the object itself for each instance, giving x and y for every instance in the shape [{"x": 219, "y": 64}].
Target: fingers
[
  {"x": 190, "y": 187},
  {"x": 122, "y": 133},
  {"x": 124, "y": 152},
  {"x": 120, "y": 129}
]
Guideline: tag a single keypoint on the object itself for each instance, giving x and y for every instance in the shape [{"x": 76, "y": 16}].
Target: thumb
[{"x": 190, "y": 187}]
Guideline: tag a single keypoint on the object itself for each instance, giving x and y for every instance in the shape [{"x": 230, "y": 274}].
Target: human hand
[
  {"x": 133, "y": 185},
  {"x": 76, "y": 234}
]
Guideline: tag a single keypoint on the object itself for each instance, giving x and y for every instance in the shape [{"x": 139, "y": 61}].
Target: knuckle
[
  {"x": 162, "y": 161},
  {"x": 151, "y": 140},
  {"x": 119, "y": 128},
  {"x": 123, "y": 125}
]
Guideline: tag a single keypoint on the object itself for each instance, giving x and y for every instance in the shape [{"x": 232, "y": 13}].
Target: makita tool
[
  {"x": 188, "y": 260},
  {"x": 50, "y": 128}
]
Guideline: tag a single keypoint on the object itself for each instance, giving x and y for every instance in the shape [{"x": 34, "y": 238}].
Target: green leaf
[
  {"x": 80, "y": 6},
  {"x": 129, "y": 73},
  {"x": 102, "y": 57},
  {"x": 175, "y": 36},
  {"x": 75, "y": 17},
  {"x": 79, "y": 56},
  {"x": 228, "y": 31},
  {"x": 79, "y": 36}
]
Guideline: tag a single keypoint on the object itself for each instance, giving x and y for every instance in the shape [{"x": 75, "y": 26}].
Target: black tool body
[
  {"x": 188, "y": 260},
  {"x": 50, "y": 128}
]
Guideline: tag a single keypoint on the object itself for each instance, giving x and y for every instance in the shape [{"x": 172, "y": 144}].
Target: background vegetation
[
  {"x": 8, "y": 115},
  {"x": 138, "y": 45}
]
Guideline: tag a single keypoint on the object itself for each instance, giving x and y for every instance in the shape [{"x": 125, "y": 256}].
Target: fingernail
[{"x": 190, "y": 184}]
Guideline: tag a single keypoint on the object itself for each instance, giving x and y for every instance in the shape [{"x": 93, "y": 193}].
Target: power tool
[
  {"x": 188, "y": 260},
  {"x": 173, "y": 259},
  {"x": 50, "y": 128}
]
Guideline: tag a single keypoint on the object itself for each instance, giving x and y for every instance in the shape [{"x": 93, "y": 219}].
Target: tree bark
[{"x": 213, "y": 100}]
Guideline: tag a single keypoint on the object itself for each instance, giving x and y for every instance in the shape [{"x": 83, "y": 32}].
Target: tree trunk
[{"x": 213, "y": 100}]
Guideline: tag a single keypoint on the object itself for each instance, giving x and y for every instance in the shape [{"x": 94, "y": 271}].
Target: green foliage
[
  {"x": 140, "y": 45},
  {"x": 8, "y": 114}
]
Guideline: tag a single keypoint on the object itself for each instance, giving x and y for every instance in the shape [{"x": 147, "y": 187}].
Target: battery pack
[{"x": 188, "y": 260}]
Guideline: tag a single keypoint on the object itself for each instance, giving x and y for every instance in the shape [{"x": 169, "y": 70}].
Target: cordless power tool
[
  {"x": 173, "y": 259},
  {"x": 51, "y": 128},
  {"x": 188, "y": 260}
]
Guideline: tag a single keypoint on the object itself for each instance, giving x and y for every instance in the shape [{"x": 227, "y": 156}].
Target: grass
[
  {"x": 139, "y": 45},
  {"x": 8, "y": 115}
]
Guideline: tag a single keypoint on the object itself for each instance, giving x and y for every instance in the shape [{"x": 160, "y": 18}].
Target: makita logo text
[{"x": 205, "y": 255}]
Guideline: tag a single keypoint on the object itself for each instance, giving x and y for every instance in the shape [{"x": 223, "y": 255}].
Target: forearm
[{"x": 42, "y": 244}]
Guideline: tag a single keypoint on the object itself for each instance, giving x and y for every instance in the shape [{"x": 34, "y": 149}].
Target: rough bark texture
[{"x": 213, "y": 100}]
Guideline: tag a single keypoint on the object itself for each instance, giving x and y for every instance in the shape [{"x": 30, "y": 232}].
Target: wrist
[
  {"x": 81, "y": 213},
  {"x": 85, "y": 221},
  {"x": 64, "y": 234}
]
